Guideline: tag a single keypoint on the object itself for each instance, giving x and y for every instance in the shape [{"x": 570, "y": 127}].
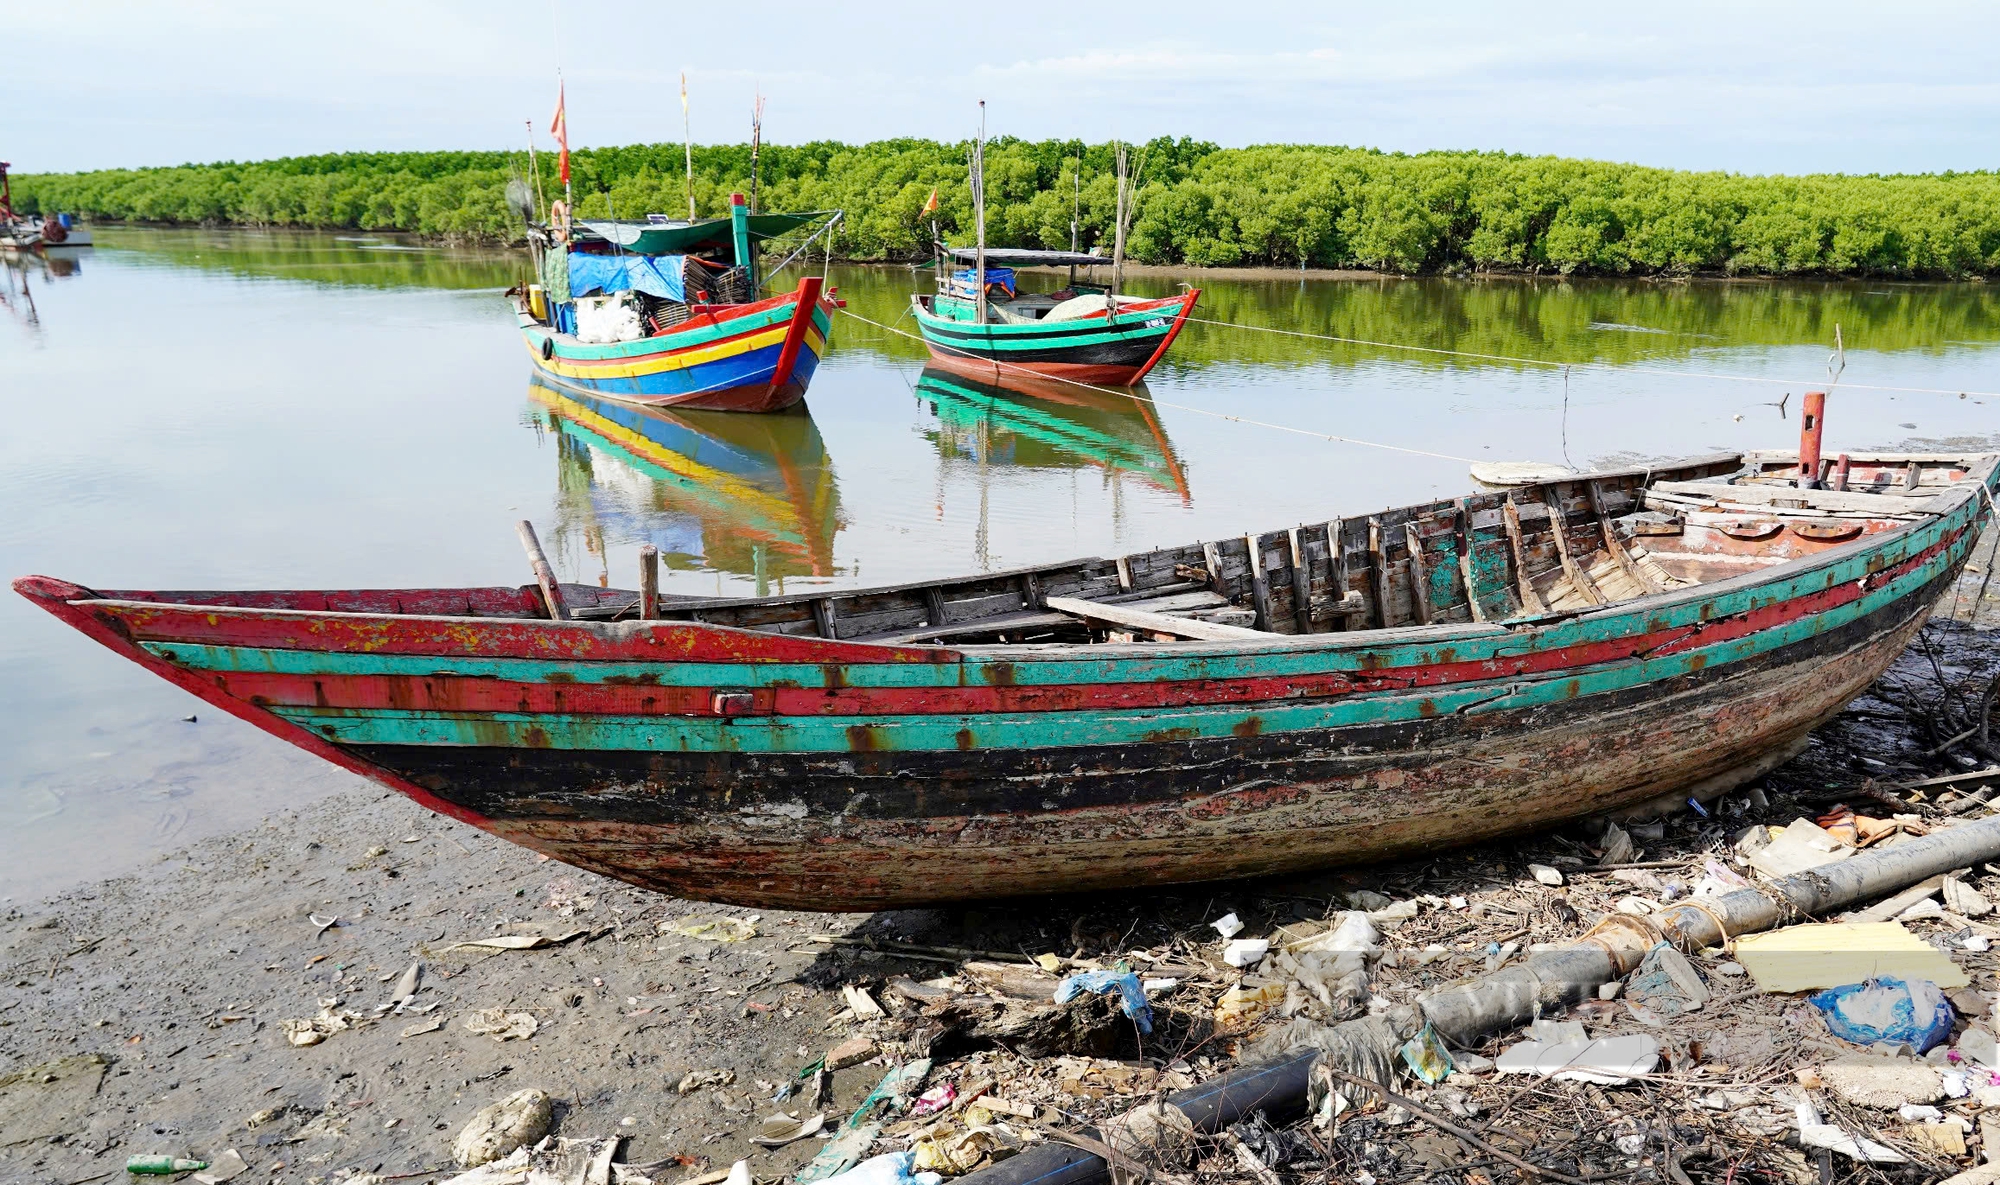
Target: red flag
[
  {"x": 559, "y": 128},
  {"x": 930, "y": 207}
]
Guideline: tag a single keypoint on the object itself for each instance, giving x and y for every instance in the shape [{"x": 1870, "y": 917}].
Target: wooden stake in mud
[
  {"x": 544, "y": 575},
  {"x": 649, "y": 582}
]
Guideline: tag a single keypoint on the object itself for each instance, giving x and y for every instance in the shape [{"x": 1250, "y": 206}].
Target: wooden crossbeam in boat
[
  {"x": 1126, "y": 617},
  {"x": 1213, "y": 558},
  {"x": 1530, "y": 599},
  {"x": 1613, "y": 545},
  {"x": 1559, "y": 527},
  {"x": 1782, "y": 497},
  {"x": 823, "y": 617}
]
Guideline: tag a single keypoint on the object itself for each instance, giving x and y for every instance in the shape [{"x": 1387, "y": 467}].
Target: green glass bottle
[{"x": 161, "y": 1166}]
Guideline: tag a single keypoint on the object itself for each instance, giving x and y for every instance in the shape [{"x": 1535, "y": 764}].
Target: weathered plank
[
  {"x": 1530, "y": 599},
  {"x": 1378, "y": 575},
  {"x": 1614, "y": 547},
  {"x": 1126, "y": 617},
  {"x": 1559, "y": 531},
  {"x": 1301, "y": 583},
  {"x": 1781, "y": 496},
  {"x": 1420, "y": 597}
]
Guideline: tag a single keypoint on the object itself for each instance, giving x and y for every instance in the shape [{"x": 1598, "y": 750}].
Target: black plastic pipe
[{"x": 1276, "y": 1088}]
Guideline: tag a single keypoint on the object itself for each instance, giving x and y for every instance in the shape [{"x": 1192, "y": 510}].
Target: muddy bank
[{"x": 146, "y": 1014}]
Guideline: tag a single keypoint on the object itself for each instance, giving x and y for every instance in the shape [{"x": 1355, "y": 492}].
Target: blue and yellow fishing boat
[{"x": 668, "y": 313}]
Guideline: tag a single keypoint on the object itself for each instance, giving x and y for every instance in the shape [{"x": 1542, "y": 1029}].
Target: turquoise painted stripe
[
  {"x": 1468, "y": 644},
  {"x": 1029, "y": 730}
]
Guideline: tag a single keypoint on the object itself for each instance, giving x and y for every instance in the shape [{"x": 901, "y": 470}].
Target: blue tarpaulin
[
  {"x": 654, "y": 275},
  {"x": 1003, "y": 276}
]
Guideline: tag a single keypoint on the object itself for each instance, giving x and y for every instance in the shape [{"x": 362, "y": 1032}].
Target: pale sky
[{"x": 1778, "y": 87}]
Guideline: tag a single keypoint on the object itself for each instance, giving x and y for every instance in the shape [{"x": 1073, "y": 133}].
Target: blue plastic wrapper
[
  {"x": 1887, "y": 1011},
  {"x": 1132, "y": 997},
  {"x": 1427, "y": 1057}
]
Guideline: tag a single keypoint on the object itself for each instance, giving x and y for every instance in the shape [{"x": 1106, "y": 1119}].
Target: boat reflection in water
[
  {"x": 1037, "y": 422},
  {"x": 750, "y": 495}
]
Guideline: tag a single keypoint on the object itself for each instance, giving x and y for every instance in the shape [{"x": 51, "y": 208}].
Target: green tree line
[{"x": 1279, "y": 205}]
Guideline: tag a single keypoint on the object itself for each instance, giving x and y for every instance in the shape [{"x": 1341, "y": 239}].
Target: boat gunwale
[{"x": 1946, "y": 502}]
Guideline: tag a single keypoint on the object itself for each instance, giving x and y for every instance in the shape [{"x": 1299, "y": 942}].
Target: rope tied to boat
[
  {"x": 1199, "y": 411},
  {"x": 1624, "y": 367}
]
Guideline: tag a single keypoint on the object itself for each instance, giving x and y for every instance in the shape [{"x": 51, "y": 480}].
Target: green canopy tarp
[{"x": 689, "y": 238}]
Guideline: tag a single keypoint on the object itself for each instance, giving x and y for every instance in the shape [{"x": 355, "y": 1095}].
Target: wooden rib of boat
[{"x": 1340, "y": 691}]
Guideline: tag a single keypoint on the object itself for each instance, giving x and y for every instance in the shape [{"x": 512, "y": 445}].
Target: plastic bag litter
[
  {"x": 1132, "y": 997},
  {"x": 1328, "y": 985},
  {"x": 890, "y": 1168},
  {"x": 1887, "y": 1011},
  {"x": 1427, "y": 1057},
  {"x": 1666, "y": 985}
]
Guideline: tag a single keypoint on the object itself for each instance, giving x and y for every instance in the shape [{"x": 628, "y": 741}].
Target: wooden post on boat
[
  {"x": 1301, "y": 582},
  {"x": 1812, "y": 422},
  {"x": 649, "y": 582},
  {"x": 1118, "y": 238},
  {"x": 1260, "y": 588},
  {"x": 1840, "y": 469},
  {"x": 979, "y": 212},
  {"x": 544, "y": 575}
]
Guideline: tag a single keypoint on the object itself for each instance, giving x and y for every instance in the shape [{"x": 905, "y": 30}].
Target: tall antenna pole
[
  {"x": 979, "y": 210},
  {"x": 687, "y": 141},
  {"x": 756, "y": 142},
  {"x": 534, "y": 170}
]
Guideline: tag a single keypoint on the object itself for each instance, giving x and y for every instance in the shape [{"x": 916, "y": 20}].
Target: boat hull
[
  {"x": 757, "y": 357},
  {"x": 1115, "y": 351},
  {"x": 813, "y": 773}
]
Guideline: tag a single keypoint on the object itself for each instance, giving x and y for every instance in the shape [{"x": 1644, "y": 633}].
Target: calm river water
[{"x": 232, "y": 409}]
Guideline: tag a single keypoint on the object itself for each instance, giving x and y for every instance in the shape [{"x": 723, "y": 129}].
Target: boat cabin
[
  {"x": 606, "y": 280},
  {"x": 957, "y": 296}
]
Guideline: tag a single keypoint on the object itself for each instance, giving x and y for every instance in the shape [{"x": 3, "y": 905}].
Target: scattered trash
[
  {"x": 1795, "y": 849},
  {"x": 406, "y": 987},
  {"x": 1979, "y": 1045},
  {"x": 1546, "y": 875},
  {"x": 555, "y": 1161},
  {"x": 1608, "y": 1061},
  {"x": 890, "y": 1168},
  {"x": 1247, "y": 1000},
  {"x": 851, "y": 1052},
  {"x": 162, "y": 1165},
  {"x": 1665, "y": 986},
  {"x": 937, "y": 1098},
  {"x": 494, "y": 1131},
  {"x": 893, "y": 1093},
  {"x": 839, "y": 1154},
  {"x": 711, "y": 928},
  {"x": 694, "y": 1080},
  {"x": 1887, "y": 1011},
  {"x": 222, "y": 1168},
  {"x": 1836, "y": 954},
  {"x": 1962, "y": 899},
  {"x": 1132, "y": 997},
  {"x": 864, "y": 1005},
  {"x": 322, "y": 925},
  {"x": 422, "y": 1027},
  {"x": 1883, "y": 1083},
  {"x": 1814, "y": 1134},
  {"x": 1947, "y": 1139},
  {"x": 331, "y": 1019},
  {"x": 500, "y": 1024},
  {"x": 1617, "y": 846},
  {"x": 1427, "y": 1057},
  {"x": 948, "y": 1150},
  {"x": 1228, "y": 925},
  {"x": 533, "y": 941},
  {"x": 781, "y": 1129},
  {"x": 1246, "y": 952}
]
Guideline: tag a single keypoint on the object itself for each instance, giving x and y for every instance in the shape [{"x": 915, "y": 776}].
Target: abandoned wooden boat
[
  {"x": 668, "y": 313},
  {"x": 1339, "y": 691},
  {"x": 1083, "y": 332}
]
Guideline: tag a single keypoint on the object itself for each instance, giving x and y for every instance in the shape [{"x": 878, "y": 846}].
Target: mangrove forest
[{"x": 1196, "y": 204}]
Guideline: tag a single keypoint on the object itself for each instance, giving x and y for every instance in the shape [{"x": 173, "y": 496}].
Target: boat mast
[
  {"x": 1118, "y": 240},
  {"x": 687, "y": 141},
  {"x": 979, "y": 211}
]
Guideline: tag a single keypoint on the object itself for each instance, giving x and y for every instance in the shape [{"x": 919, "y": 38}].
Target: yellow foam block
[{"x": 1824, "y": 955}]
